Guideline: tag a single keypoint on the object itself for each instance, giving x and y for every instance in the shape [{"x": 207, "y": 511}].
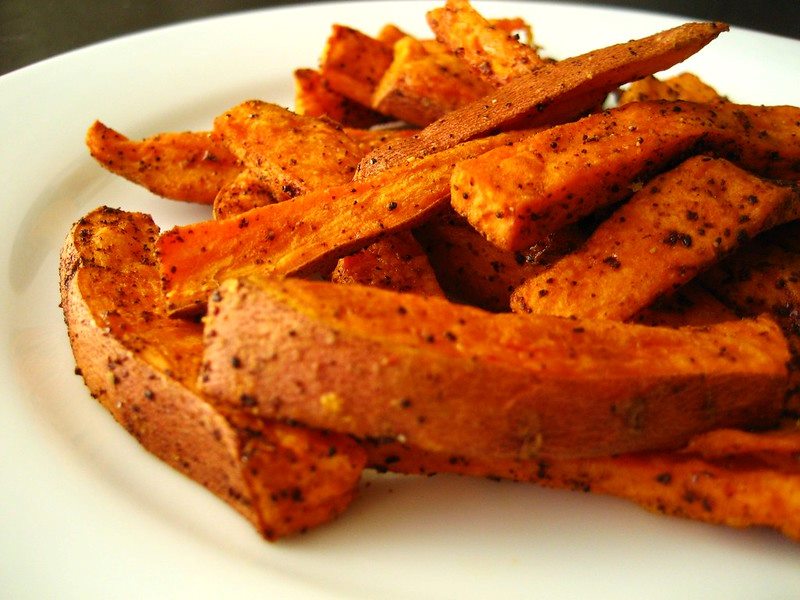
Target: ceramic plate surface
[{"x": 86, "y": 513}]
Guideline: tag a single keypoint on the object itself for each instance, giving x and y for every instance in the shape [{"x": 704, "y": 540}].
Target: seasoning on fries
[{"x": 459, "y": 255}]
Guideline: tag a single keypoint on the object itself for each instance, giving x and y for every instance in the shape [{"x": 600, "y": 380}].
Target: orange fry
[
  {"x": 308, "y": 232},
  {"x": 187, "y": 166},
  {"x": 552, "y": 94},
  {"x": 676, "y": 226},
  {"x": 496, "y": 55},
  {"x": 518, "y": 195}
]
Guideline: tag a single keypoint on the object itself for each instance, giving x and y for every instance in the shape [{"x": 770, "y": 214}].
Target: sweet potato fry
[
  {"x": 419, "y": 87},
  {"x": 757, "y": 484},
  {"x": 493, "y": 53},
  {"x": 764, "y": 277},
  {"x": 451, "y": 378},
  {"x": 298, "y": 154},
  {"x": 552, "y": 94},
  {"x": 396, "y": 262},
  {"x": 353, "y": 63},
  {"x": 686, "y": 86},
  {"x": 251, "y": 189},
  {"x": 475, "y": 272},
  {"x": 518, "y": 195},
  {"x": 308, "y": 232},
  {"x": 679, "y": 224},
  {"x": 188, "y": 166},
  {"x": 143, "y": 366},
  {"x": 314, "y": 98}
]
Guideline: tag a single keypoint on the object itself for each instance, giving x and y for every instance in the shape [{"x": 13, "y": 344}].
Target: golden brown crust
[{"x": 452, "y": 378}]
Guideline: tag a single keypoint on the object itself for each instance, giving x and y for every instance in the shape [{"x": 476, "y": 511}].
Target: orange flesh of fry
[
  {"x": 685, "y": 86},
  {"x": 396, "y": 262},
  {"x": 353, "y": 63},
  {"x": 419, "y": 87},
  {"x": 553, "y": 93},
  {"x": 314, "y": 98},
  {"x": 186, "y": 166},
  {"x": 492, "y": 52},
  {"x": 676, "y": 226},
  {"x": 516, "y": 196},
  {"x": 249, "y": 190},
  {"x": 299, "y": 153},
  {"x": 305, "y": 233}
]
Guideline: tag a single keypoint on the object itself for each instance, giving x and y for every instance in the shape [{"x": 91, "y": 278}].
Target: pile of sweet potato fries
[{"x": 460, "y": 255}]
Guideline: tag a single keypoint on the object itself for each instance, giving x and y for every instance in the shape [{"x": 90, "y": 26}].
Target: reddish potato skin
[
  {"x": 450, "y": 378},
  {"x": 142, "y": 367}
]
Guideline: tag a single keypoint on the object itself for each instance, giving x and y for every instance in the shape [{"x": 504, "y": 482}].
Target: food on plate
[
  {"x": 187, "y": 166},
  {"x": 676, "y": 226},
  {"x": 420, "y": 86},
  {"x": 554, "y": 93},
  {"x": 764, "y": 278},
  {"x": 455, "y": 379},
  {"x": 730, "y": 477},
  {"x": 353, "y": 63},
  {"x": 518, "y": 195},
  {"x": 686, "y": 86},
  {"x": 142, "y": 366},
  {"x": 348, "y": 302},
  {"x": 307, "y": 233},
  {"x": 314, "y": 98},
  {"x": 396, "y": 262},
  {"x": 493, "y": 53},
  {"x": 294, "y": 153}
]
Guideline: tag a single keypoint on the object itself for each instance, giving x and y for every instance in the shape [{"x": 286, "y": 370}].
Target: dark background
[{"x": 31, "y": 30}]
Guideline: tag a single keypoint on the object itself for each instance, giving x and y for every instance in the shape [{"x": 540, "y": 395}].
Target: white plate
[{"x": 86, "y": 513}]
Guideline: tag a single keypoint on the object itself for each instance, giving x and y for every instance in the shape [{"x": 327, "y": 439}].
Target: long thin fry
[{"x": 554, "y": 93}]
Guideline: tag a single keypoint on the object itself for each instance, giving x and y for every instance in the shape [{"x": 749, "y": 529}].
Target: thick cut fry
[
  {"x": 353, "y": 63},
  {"x": 516, "y": 196},
  {"x": 686, "y": 86},
  {"x": 298, "y": 154},
  {"x": 396, "y": 262},
  {"x": 143, "y": 367},
  {"x": 764, "y": 277},
  {"x": 451, "y": 378},
  {"x": 493, "y": 53},
  {"x": 314, "y": 98},
  {"x": 473, "y": 271},
  {"x": 679, "y": 224},
  {"x": 552, "y": 94},
  {"x": 757, "y": 484},
  {"x": 419, "y": 87},
  {"x": 188, "y": 166},
  {"x": 308, "y": 232}
]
